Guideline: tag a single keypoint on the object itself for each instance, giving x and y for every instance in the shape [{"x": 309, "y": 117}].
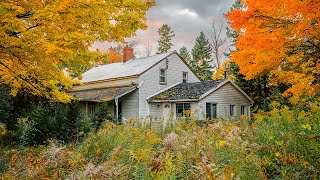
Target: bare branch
[
  {"x": 148, "y": 49},
  {"x": 217, "y": 42}
]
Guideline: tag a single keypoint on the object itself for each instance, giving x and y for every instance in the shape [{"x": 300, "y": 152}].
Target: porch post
[{"x": 117, "y": 109}]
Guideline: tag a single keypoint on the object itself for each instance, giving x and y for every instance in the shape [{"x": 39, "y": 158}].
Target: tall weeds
[{"x": 282, "y": 144}]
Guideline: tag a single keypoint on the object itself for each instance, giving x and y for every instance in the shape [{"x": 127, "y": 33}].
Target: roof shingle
[
  {"x": 104, "y": 94},
  {"x": 191, "y": 91},
  {"x": 120, "y": 69}
]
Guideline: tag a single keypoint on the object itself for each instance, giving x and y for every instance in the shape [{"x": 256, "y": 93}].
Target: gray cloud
[{"x": 186, "y": 17}]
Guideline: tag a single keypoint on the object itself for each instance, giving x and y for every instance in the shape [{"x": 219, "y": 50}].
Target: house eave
[
  {"x": 174, "y": 100},
  {"x": 112, "y": 79}
]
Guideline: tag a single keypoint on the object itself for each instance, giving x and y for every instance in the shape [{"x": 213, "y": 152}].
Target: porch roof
[
  {"x": 186, "y": 91},
  {"x": 102, "y": 94}
]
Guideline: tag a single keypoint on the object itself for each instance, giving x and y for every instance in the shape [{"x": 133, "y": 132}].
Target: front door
[{"x": 166, "y": 110}]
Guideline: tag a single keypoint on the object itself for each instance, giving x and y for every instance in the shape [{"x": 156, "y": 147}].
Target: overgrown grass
[{"x": 281, "y": 144}]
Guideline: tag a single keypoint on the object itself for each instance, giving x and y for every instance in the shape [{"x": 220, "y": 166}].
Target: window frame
[
  {"x": 232, "y": 113},
  {"x": 183, "y": 109},
  {"x": 211, "y": 110},
  {"x": 184, "y": 79},
  {"x": 163, "y": 76},
  {"x": 91, "y": 109},
  {"x": 243, "y": 110}
]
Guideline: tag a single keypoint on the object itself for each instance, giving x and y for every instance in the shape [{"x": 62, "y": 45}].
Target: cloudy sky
[{"x": 186, "y": 17}]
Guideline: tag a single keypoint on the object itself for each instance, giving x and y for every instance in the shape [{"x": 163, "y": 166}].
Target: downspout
[{"x": 117, "y": 109}]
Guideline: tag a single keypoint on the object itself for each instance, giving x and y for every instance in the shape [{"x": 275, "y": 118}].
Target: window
[
  {"x": 183, "y": 109},
  {"x": 184, "y": 77},
  {"x": 163, "y": 76},
  {"x": 91, "y": 109},
  {"x": 211, "y": 110},
  {"x": 231, "y": 110},
  {"x": 243, "y": 110}
]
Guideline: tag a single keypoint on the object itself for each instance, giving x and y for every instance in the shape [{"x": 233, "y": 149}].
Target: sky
[{"x": 187, "y": 18}]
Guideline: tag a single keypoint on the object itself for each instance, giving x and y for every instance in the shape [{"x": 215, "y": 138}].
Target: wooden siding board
[
  {"x": 130, "y": 105},
  {"x": 225, "y": 96}
]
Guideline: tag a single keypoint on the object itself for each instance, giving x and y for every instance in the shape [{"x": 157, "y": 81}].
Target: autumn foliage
[
  {"x": 114, "y": 56},
  {"x": 281, "y": 39},
  {"x": 44, "y": 44}
]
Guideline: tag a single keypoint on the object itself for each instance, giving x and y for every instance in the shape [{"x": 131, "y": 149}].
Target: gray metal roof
[
  {"x": 118, "y": 70},
  {"x": 103, "y": 94},
  {"x": 185, "y": 91}
]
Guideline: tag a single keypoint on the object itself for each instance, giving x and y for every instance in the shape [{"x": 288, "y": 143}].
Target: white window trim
[
  {"x": 165, "y": 76},
  {"x": 245, "y": 110},
  {"x": 175, "y": 108},
  {"x": 183, "y": 73},
  {"x": 234, "y": 110},
  {"x": 211, "y": 107}
]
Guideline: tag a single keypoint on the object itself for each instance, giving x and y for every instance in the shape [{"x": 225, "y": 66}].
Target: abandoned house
[{"x": 161, "y": 86}]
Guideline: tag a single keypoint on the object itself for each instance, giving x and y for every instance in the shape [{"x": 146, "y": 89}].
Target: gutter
[{"x": 175, "y": 100}]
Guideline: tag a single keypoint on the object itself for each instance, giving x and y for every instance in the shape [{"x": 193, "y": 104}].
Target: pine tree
[
  {"x": 164, "y": 42},
  {"x": 185, "y": 54},
  {"x": 201, "y": 54}
]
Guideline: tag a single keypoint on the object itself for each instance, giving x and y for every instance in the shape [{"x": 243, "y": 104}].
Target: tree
[
  {"x": 148, "y": 49},
  {"x": 217, "y": 42},
  {"x": 185, "y": 54},
  {"x": 164, "y": 42},
  {"x": 114, "y": 56},
  {"x": 279, "y": 39},
  {"x": 44, "y": 44},
  {"x": 201, "y": 54},
  {"x": 258, "y": 88}
]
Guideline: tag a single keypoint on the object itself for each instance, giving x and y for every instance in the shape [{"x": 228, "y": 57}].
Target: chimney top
[{"x": 127, "y": 54}]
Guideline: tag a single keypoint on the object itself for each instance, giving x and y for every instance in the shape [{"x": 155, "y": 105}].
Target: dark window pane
[
  {"x": 187, "y": 109},
  {"x": 162, "y": 72},
  {"x": 243, "y": 110},
  {"x": 179, "y": 110},
  {"x": 214, "y": 111},
  {"x": 208, "y": 110},
  {"x": 187, "y": 106},
  {"x": 184, "y": 77},
  {"x": 231, "y": 110}
]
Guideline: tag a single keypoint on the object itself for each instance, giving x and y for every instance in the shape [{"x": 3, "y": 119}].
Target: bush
[
  {"x": 280, "y": 144},
  {"x": 3, "y": 129},
  {"x": 43, "y": 122},
  {"x": 26, "y": 130}
]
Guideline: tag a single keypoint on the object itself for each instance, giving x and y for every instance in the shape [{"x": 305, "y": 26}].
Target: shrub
[
  {"x": 280, "y": 144},
  {"x": 26, "y": 130},
  {"x": 3, "y": 129}
]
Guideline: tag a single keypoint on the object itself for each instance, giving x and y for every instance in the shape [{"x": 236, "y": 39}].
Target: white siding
[
  {"x": 130, "y": 105},
  {"x": 224, "y": 97},
  {"x": 151, "y": 84},
  {"x": 156, "y": 110}
]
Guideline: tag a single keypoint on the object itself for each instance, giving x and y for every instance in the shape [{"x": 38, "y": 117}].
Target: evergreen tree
[
  {"x": 185, "y": 54},
  {"x": 164, "y": 42},
  {"x": 201, "y": 54}
]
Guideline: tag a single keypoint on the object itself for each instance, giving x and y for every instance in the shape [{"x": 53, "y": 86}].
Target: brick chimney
[{"x": 127, "y": 54}]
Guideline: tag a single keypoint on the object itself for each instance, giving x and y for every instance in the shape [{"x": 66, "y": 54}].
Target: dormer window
[
  {"x": 184, "y": 77},
  {"x": 163, "y": 76}
]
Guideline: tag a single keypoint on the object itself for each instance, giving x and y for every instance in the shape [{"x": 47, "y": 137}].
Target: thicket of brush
[{"x": 280, "y": 144}]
